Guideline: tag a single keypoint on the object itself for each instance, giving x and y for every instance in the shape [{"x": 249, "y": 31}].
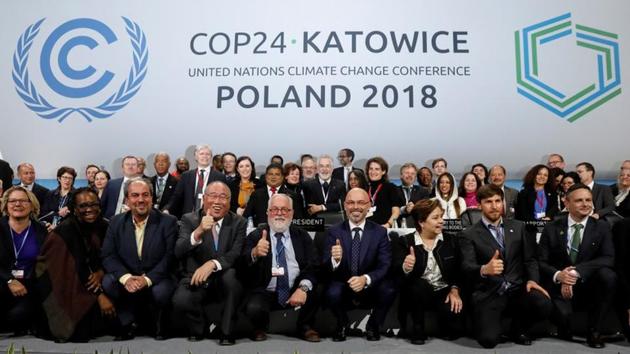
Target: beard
[{"x": 279, "y": 224}]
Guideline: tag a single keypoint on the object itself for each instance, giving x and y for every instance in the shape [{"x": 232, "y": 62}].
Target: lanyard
[
  {"x": 62, "y": 200},
  {"x": 373, "y": 197},
  {"x": 540, "y": 200},
  {"x": 325, "y": 194},
  {"x": 18, "y": 251}
]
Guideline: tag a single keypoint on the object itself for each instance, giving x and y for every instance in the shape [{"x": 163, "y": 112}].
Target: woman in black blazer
[
  {"x": 427, "y": 262},
  {"x": 21, "y": 237},
  {"x": 243, "y": 185},
  {"x": 538, "y": 199}
]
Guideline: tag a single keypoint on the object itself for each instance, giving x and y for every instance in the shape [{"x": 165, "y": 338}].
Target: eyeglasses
[
  {"x": 89, "y": 205},
  {"x": 221, "y": 196},
  {"x": 18, "y": 201},
  {"x": 279, "y": 210}
]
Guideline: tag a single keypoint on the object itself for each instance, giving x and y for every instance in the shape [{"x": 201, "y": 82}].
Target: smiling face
[
  {"x": 408, "y": 176},
  {"x": 444, "y": 185},
  {"x": 161, "y": 164},
  {"x": 100, "y": 180},
  {"x": 229, "y": 163},
  {"x": 470, "y": 183},
  {"x": 497, "y": 176},
  {"x": 26, "y": 173},
  {"x": 357, "y": 205},
  {"x": 279, "y": 213},
  {"x": 216, "y": 199},
  {"x": 480, "y": 172},
  {"x": 579, "y": 203},
  {"x": 90, "y": 172},
  {"x": 244, "y": 169},
  {"x": 375, "y": 172},
  {"x": 541, "y": 178},
  {"x": 434, "y": 223},
  {"x": 66, "y": 181},
  {"x": 293, "y": 177},
  {"x": 87, "y": 207},
  {"x": 324, "y": 168},
  {"x": 139, "y": 199},
  {"x": 203, "y": 157},
  {"x": 274, "y": 177},
  {"x": 18, "y": 205}
]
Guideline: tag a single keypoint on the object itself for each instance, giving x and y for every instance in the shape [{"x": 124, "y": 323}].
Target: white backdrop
[{"x": 479, "y": 117}]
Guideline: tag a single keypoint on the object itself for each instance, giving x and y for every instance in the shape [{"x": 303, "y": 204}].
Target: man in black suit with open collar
[
  {"x": 409, "y": 192},
  {"x": 281, "y": 271},
  {"x": 499, "y": 261},
  {"x": 324, "y": 194},
  {"x": 138, "y": 258},
  {"x": 603, "y": 200},
  {"x": 192, "y": 184},
  {"x": 356, "y": 260},
  {"x": 258, "y": 202},
  {"x": 210, "y": 241},
  {"x": 26, "y": 174},
  {"x": 163, "y": 182},
  {"x": 346, "y": 158},
  {"x": 576, "y": 254}
]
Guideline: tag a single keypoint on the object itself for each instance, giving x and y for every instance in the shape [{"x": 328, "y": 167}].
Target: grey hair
[
  {"x": 201, "y": 147},
  {"x": 280, "y": 195}
]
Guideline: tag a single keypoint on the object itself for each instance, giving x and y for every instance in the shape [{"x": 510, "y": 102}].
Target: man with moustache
[
  {"x": 498, "y": 260},
  {"x": 409, "y": 192},
  {"x": 356, "y": 259},
  {"x": 497, "y": 177},
  {"x": 324, "y": 194},
  {"x": 209, "y": 243},
  {"x": 138, "y": 257},
  {"x": 281, "y": 267}
]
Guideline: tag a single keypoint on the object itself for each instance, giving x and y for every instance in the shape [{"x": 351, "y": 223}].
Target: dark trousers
[
  {"x": 596, "y": 294},
  {"x": 18, "y": 312},
  {"x": 525, "y": 307},
  {"x": 417, "y": 296},
  {"x": 221, "y": 286},
  {"x": 127, "y": 304},
  {"x": 261, "y": 302},
  {"x": 379, "y": 297}
]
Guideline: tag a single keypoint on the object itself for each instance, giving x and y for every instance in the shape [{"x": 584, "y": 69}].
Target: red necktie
[{"x": 273, "y": 190}]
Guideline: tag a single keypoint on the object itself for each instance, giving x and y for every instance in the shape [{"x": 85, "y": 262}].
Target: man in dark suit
[
  {"x": 210, "y": 240},
  {"x": 577, "y": 265},
  {"x": 163, "y": 182},
  {"x": 498, "y": 259},
  {"x": 281, "y": 268},
  {"x": 497, "y": 177},
  {"x": 603, "y": 200},
  {"x": 137, "y": 257},
  {"x": 26, "y": 174},
  {"x": 324, "y": 194},
  {"x": 345, "y": 157},
  {"x": 258, "y": 202},
  {"x": 113, "y": 199},
  {"x": 409, "y": 192},
  {"x": 356, "y": 259},
  {"x": 189, "y": 191}
]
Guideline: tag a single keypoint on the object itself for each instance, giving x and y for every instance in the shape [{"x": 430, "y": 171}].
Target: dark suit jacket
[
  {"x": 621, "y": 238},
  {"x": 314, "y": 194},
  {"x": 417, "y": 193},
  {"x": 603, "y": 200},
  {"x": 235, "y": 190},
  {"x": 231, "y": 238},
  {"x": 525, "y": 204},
  {"x": 120, "y": 253},
  {"x": 169, "y": 189},
  {"x": 519, "y": 261},
  {"x": 259, "y": 200},
  {"x": 375, "y": 257},
  {"x": 596, "y": 249},
  {"x": 51, "y": 204},
  {"x": 109, "y": 199},
  {"x": 183, "y": 200},
  {"x": 446, "y": 255},
  {"x": 7, "y": 253},
  {"x": 624, "y": 208},
  {"x": 510, "y": 195},
  {"x": 259, "y": 272},
  {"x": 337, "y": 173}
]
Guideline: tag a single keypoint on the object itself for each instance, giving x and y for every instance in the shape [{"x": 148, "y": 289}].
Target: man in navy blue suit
[
  {"x": 357, "y": 258},
  {"x": 113, "y": 199},
  {"x": 137, "y": 256}
]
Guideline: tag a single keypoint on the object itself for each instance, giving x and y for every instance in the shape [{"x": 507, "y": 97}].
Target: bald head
[{"x": 357, "y": 205}]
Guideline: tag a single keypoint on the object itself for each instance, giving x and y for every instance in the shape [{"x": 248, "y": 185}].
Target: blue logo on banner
[{"x": 116, "y": 101}]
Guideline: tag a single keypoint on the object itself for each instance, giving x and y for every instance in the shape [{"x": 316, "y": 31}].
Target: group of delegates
[{"x": 123, "y": 252}]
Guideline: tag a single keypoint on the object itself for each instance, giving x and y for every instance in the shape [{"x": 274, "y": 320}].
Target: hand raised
[
  {"x": 336, "y": 251},
  {"x": 410, "y": 260},
  {"x": 263, "y": 246},
  {"x": 494, "y": 265}
]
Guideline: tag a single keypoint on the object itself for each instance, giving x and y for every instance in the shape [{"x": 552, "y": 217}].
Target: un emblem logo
[
  {"x": 75, "y": 83},
  {"x": 576, "y": 100}
]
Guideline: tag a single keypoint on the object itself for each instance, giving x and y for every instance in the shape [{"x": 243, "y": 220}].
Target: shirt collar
[
  {"x": 590, "y": 185},
  {"x": 321, "y": 181},
  {"x": 353, "y": 225},
  {"x": 573, "y": 222},
  {"x": 487, "y": 222},
  {"x": 285, "y": 235},
  {"x": 419, "y": 241}
]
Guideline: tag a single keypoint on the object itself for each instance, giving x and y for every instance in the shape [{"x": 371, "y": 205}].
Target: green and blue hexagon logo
[{"x": 571, "y": 101}]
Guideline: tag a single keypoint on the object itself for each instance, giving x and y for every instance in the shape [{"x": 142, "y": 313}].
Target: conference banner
[{"x": 485, "y": 81}]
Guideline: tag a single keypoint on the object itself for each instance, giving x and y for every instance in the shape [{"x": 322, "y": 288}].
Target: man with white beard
[{"x": 281, "y": 268}]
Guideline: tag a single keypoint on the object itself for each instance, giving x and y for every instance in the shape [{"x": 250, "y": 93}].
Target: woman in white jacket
[{"x": 446, "y": 194}]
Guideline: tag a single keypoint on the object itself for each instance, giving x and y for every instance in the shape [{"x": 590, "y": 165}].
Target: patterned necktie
[
  {"x": 356, "y": 251},
  {"x": 215, "y": 236},
  {"x": 282, "y": 281},
  {"x": 576, "y": 239},
  {"x": 160, "y": 188},
  {"x": 199, "y": 190}
]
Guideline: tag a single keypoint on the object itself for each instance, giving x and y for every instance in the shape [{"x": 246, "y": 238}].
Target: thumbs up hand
[
  {"x": 336, "y": 252},
  {"x": 410, "y": 260},
  {"x": 207, "y": 222},
  {"x": 262, "y": 247},
  {"x": 494, "y": 265}
]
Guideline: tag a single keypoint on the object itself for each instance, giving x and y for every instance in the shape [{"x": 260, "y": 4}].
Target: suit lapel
[
  {"x": 366, "y": 242},
  {"x": 296, "y": 241},
  {"x": 486, "y": 237},
  {"x": 129, "y": 236},
  {"x": 508, "y": 237},
  {"x": 149, "y": 231},
  {"x": 563, "y": 238},
  {"x": 588, "y": 238},
  {"x": 224, "y": 233}
]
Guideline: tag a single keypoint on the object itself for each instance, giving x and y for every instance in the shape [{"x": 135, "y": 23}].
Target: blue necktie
[
  {"x": 282, "y": 282},
  {"x": 356, "y": 251}
]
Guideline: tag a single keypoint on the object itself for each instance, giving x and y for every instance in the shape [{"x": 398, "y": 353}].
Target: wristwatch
[
  {"x": 10, "y": 281},
  {"x": 304, "y": 288}
]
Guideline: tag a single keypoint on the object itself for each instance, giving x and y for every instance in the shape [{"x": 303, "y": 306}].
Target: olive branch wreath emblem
[{"x": 38, "y": 104}]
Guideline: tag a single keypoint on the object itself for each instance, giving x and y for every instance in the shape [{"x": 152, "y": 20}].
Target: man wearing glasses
[{"x": 281, "y": 268}]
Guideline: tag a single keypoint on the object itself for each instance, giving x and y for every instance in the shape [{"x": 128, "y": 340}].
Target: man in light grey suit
[
  {"x": 603, "y": 200},
  {"x": 497, "y": 177}
]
